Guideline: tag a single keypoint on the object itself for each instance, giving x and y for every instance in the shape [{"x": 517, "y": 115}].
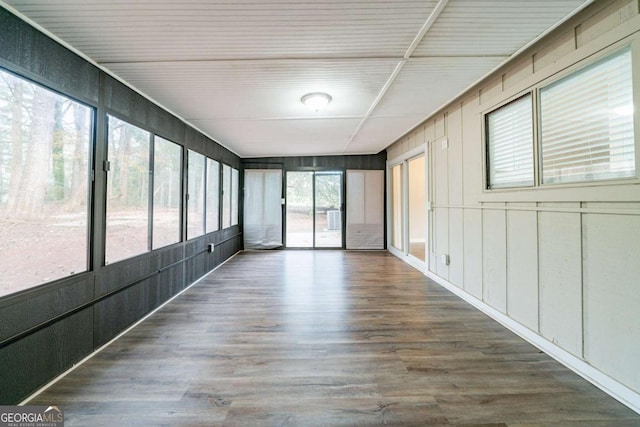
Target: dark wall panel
[
  {"x": 369, "y": 162},
  {"x": 45, "y": 354},
  {"x": 123, "y": 309},
  {"x": 35, "y": 55},
  {"x": 135, "y": 108},
  {"x": 28, "y": 309}
]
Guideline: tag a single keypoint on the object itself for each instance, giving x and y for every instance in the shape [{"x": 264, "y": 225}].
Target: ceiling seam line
[{"x": 431, "y": 19}]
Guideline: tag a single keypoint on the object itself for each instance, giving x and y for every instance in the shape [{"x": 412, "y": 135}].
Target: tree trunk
[
  {"x": 57, "y": 151},
  {"x": 16, "y": 145},
  {"x": 80, "y": 157},
  {"x": 31, "y": 198},
  {"x": 125, "y": 149}
]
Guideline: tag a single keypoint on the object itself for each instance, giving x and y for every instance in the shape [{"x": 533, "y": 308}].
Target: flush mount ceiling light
[{"x": 316, "y": 100}]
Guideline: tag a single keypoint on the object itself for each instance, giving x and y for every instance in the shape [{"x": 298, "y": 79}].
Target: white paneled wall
[
  {"x": 611, "y": 275},
  {"x": 560, "y": 263},
  {"x": 522, "y": 267},
  {"x": 560, "y": 269}
]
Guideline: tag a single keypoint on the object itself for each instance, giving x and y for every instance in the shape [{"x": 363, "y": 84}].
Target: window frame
[
  {"x": 155, "y": 136},
  {"x": 594, "y": 190},
  {"x": 150, "y": 163},
  {"x": 486, "y": 142},
  {"x": 89, "y": 260},
  {"x": 573, "y": 71},
  {"x": 208, "y": 161},
  {"x": 204, "y": 195}
]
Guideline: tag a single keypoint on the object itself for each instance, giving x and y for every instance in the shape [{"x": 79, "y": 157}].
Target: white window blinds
[
  {"x": 510, "y": 144},
  {"x": 586, "y": 123}
]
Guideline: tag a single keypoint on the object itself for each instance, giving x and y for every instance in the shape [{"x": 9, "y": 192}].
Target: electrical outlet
[
  {"x": 210, "y": 247},
  {"x": 445, "y": 259}
]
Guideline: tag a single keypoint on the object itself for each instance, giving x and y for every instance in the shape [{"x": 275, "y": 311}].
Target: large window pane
[
  {"x": 299, "y": 210},
  {"x": 586, "y": 123},
  {"x": 226, "y": 196},
  {"x": 234, "y": 196},
  {"x": 127, "y": 191},
  {"x": 417, "y": 207},
  {"x": 510, "y": 144},
  {"x": 195, "y": 202},
  {"x": 167, "y": 161},
  {"x": 396, "y": 207},
  {"x": 213, "y": 195},
  {"x": 44, "y": 175}
]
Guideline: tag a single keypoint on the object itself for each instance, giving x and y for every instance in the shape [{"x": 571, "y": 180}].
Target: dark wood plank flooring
[{"x": 325, "y": 338}]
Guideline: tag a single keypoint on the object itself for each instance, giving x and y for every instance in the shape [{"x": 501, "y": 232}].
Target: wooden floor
[{"x": 325, "y": 338}]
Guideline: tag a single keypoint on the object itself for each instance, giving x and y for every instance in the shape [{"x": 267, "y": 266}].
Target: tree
[{"x": 28, "y": 199}]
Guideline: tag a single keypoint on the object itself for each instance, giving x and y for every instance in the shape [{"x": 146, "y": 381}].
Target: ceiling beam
[{"x": 394, "y": 75}]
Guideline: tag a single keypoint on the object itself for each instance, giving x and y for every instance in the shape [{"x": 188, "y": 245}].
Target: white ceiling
[{"x": 236, "y": 69}]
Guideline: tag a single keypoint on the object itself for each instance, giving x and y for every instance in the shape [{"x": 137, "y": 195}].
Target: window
[
  {"x": 226, "y": 196},
  {"x": 196, "y": 195},
  {"x": 167, "y": 194},
  {"x": 44, "y": 192},
  {"x": 586, "y": 123},
  {"x": 510, "y": 144},
  {"x": 213, "y": 195},
  {"x": 234, "y": 196},
  {"x": 396, "y": 207},
  {"x": 127, "y": 191},
  {"x": 230, "y": 182}
]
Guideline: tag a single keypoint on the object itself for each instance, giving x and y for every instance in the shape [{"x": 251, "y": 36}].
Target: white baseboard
[{"x": 609, "y": 385}]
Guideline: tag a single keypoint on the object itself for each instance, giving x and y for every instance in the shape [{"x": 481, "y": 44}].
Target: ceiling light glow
[{"x": 316, "y": 100}]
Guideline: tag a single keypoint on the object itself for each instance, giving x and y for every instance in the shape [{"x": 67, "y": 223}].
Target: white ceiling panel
[
  {"x": 167, "y": 30},
  {"x": 495, "y": 27},
  {"x": 236, "y": 69},
  {"x": 425, "y": 84},
  {"x": 377, "y": 130},
  {"x": 259, "y": 89},
  {"x": 254, "y": 138}
]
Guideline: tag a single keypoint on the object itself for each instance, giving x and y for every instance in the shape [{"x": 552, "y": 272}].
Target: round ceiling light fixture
[{"x": 316, "y": 100}]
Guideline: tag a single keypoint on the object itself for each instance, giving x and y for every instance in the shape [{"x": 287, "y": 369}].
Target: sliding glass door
[{"x": 314, "y": 210}]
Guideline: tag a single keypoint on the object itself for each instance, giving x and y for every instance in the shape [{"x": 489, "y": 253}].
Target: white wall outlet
[
  {"x": 445, "y": 259},
  {"x": 445, "y": 144}
]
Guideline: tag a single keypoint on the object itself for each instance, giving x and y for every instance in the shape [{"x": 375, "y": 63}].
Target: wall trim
[
  {"x": 114, "y": 339},
  {"x": 513, "y": 206},
  {"x": 612, "y": 387}
]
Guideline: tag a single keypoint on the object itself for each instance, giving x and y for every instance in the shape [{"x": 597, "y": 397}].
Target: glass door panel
[
  {"x": 396, "y": 207},
  {"x": 299, "y": 212},
  {"x": 417, "y": 208},
  {"x": 328, "y": 210}
]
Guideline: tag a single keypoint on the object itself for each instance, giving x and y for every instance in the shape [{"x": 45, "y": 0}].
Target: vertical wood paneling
[
  {"x": 473, "y": 252},
  {"x": 522, "y": 267},
  {"x": 456, "y": 247},
  {"x": 441, "y": 229},
  {"x": 494, "y": 259},
  {"x": 441, "y": 172},
  {"x": 454, "y": 136},
  {"x": 612, "y": 295},
  {"x": 439, "y": 126},
  {"x": 560, "y": 271},
  {"x": 610, "y": 17},
  {"x": 471, "y": 167}
]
